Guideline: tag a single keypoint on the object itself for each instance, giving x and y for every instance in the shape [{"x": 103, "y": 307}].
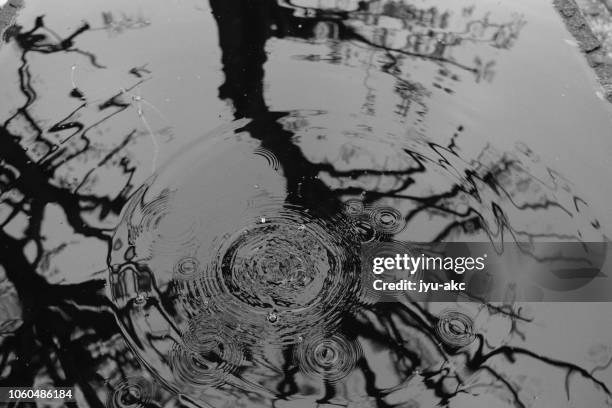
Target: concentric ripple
[
  {"x": 186, "y": 268},
  {"x": 133, "y": 392},
  {"x": 148, "y": 232},
  {"x": 364, "y": 230},
  {"x": 288, "y": 267},
  {"x": 455, "y": 329},
  {"x": 276, "y": 265},
  {"x": 222, "y": 265},
  {"x": 207, "y": 355},
  {"x": 269, "y": 156},
  {"x": 353, "y": 207},
  {"x": 386, "y": 220},
  {"x": 373, "y": 222},
  {"x": 330, "y": 357},
  {"x": 218, "y": 269}
]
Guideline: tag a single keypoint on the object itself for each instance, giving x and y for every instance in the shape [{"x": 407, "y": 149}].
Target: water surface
[{"x": 185, "y": 187}]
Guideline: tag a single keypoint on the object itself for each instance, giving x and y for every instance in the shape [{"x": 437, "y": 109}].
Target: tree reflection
[
  {"x": 68, "y": 331},
  {"x": 393, "y": 325},
  {"x": 60, "y": 323}
]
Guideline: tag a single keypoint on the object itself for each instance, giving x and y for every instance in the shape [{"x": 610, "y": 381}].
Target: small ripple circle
[
  {"x": 133, "y": 392},
  {"x": 455, "y": 329},
  {"x": 207, "y": 354},
  {"x": 330, "y": 357},
  {"x": 386, "y": 220}
]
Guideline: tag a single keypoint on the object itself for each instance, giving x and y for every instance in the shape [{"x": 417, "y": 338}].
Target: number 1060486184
[{"x": 8, "y": 394}]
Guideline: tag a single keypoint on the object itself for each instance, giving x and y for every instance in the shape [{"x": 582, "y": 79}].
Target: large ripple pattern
[{"x": 289, "y": 268}]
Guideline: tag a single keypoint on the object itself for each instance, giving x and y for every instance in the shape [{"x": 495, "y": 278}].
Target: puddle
[{"x": 204, "y": 178}]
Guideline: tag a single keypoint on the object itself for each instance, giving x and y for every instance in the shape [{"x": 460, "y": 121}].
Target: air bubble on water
[
  {"x": 272, "y": 317},
  {"x": 141, "y": 299}
]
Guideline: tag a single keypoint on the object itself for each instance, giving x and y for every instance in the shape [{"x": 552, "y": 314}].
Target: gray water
[{"x": 185, "y": 187}]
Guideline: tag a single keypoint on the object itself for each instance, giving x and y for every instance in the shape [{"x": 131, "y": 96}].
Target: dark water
[{"x": 186, "y": 186}]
